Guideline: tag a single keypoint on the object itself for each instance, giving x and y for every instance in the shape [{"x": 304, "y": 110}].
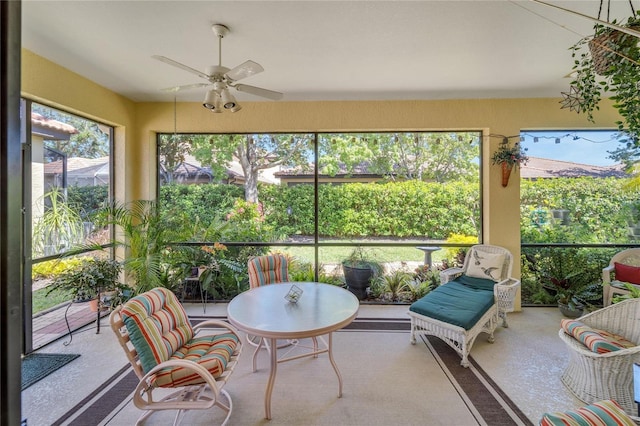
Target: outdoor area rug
[
  {"x": 37, "y": 366},
  {"x": 391, "y": 382}
]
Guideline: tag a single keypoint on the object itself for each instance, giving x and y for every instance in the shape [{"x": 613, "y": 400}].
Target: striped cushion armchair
[
  {"x": 270, "y": 269},
  {"x": 167, "y": 352}
]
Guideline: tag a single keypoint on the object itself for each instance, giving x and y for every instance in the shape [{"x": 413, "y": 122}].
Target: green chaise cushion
[{"x": 461, "y": 302}]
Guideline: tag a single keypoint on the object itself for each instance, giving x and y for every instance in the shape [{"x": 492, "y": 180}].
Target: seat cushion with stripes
[
  {"x": 269, "y": 269},
  {"x": 601, "y": 413},
  {"x": 211, "y": 352},
  {"x": 157, "y": 325}
]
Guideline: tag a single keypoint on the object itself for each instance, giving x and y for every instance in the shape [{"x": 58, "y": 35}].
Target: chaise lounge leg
[
  {"x": 412, "y": 336},
  {"x": 465, "y": 361},
  {"x": 503, "y": 315}
]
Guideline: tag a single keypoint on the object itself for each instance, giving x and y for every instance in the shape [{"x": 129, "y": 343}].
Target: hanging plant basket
[
  {"x": 605, "y": 48},
  {"x": 607, "y": 65}
]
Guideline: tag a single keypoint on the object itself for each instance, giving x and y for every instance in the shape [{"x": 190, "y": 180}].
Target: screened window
[
  {"x": 70, "y": 179},
  {"x": 329, "y": 187},
  {"x": 575, "y": 188}
]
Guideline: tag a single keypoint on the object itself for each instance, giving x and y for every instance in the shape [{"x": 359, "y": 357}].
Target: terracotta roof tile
[
  {"x": 541, "y": 168},
  {"x": 38, "y": 119}
]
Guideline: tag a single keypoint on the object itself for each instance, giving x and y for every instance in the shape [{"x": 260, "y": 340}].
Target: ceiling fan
[{"x": 221, "y": 78}]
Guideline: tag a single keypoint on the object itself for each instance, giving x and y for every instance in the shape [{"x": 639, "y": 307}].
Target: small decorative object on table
[{"x": 294, "y": 294}]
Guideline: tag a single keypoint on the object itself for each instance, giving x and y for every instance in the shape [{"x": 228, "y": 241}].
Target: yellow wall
[
  {"x": 139, "y": 123},
  {"x": 50, "y": 84}
]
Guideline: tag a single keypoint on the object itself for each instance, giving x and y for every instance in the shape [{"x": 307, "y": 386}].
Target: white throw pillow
[{"x": 485, "y": 265}]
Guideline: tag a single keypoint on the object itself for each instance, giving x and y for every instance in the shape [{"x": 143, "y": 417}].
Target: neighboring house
[
  {"x": 546, "y": 168},
  {"x": 80, "y": 172},
  {"x": 192, "y": 172},
  {"x": 297, "y": 176},
  {"x": 536, "y": 168}
]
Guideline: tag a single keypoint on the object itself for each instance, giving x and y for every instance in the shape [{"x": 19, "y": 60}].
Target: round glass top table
[{"x": 265, "y": 312}]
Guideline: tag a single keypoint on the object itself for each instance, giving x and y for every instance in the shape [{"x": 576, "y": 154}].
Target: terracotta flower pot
[
  {"x": 93, "y": 305},
  {"x": 506, "y": 172}
]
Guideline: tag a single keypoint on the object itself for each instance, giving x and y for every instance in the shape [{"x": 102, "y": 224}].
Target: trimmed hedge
[{"x": 395, "y": 210}]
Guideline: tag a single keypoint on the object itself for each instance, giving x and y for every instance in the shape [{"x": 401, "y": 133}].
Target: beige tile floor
[{"x": 526, "y": 361}]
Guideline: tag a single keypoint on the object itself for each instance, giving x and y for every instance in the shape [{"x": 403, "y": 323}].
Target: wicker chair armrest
[
  {"x": 635, "y": 419},
  {"x": 505, "y": 294},
  {"x": 606, "y": 274},
  {"x": 450, "y": 274},
  {"x": 577, "y": 346},
  {"x": 619, "y": 318}
]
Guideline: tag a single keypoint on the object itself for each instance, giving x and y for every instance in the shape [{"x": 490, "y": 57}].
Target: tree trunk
[{"x": 251, "y": 186}]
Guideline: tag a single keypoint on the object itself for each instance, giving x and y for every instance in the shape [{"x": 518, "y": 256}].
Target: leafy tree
[
  {"x": 254, "y": 152},
  {"x": 172, "y": 151},
  {"x": 438, "y": 157},
  {"x": 91, "y": 141}
]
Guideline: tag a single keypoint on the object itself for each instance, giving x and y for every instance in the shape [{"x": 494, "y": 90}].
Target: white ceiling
[{"x": 319, "y": 50}]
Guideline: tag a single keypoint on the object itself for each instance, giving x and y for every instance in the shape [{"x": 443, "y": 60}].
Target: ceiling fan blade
[
  {"x": 258, "y": 91},
  {"x": 185, "y": 87},
  {"x": 244, "y": 70},
  {"x": 181, "y": 66}
]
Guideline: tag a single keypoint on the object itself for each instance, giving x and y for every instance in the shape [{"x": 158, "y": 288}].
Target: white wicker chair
[
  {"x": 591, "y": 376},
  {"x": 456, "y": 337},
  {"x": 611, "y": 287}
]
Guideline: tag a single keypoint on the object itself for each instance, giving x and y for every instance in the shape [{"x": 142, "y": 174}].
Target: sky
[{"x": 584, "y": 147}]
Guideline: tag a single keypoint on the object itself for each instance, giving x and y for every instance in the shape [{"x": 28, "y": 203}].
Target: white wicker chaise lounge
[{"x": 469, "y": 300}]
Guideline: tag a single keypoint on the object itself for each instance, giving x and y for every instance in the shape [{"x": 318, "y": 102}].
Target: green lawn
[
  {"x": 335, "y": 255},
  {"x": 42, "y": 301}
]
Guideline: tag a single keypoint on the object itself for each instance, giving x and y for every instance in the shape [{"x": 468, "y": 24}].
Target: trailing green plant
[
  {"x": 88, "y": 278},
  {"x": 621, "y": 76}
]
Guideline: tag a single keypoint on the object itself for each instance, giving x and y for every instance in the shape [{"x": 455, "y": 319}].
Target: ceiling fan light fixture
[
  {"x": 236, "y": 108},
  {"x": 228, "y": 101},
  {"x": 211, "y": 100}
]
